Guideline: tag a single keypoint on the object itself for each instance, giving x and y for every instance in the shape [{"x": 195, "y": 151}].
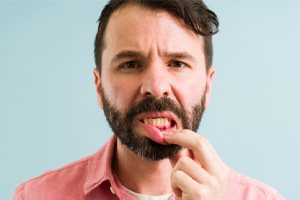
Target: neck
[{"x": 141, "y": 175}]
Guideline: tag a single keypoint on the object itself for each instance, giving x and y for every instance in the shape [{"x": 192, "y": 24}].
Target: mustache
[{"x": 151, "y": 104}]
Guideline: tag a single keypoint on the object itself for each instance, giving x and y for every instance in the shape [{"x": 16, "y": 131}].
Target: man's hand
[{"x": 198, "y": 172}]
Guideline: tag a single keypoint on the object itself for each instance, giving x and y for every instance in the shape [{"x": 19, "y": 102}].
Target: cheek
[
  {"x": 120, "y": 94},
  {"x": 190, "y": 91},
  {"x": 193, "y": 96}
]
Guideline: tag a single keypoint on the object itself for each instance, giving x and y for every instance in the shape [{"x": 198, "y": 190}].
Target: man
[{"x": 153, "y": 79}]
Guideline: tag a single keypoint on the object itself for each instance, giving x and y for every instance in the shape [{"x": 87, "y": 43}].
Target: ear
[
  {"x": 98, "y": 87},
  {"x": 210, "y": 74}
]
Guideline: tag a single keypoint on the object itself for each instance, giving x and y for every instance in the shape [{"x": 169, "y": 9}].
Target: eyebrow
[
  {"x": 136, "y": 54},
  {"x": 180, "y": 55},
  {"x": 127, "y": 54}
]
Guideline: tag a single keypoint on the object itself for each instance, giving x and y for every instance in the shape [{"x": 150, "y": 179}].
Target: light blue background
[{"x": 48, "y": 109}]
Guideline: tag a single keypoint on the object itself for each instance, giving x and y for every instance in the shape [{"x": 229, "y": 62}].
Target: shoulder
[
  {"x": 55, "y": 181},
  {"x": 71, "y": 181},
  {"x": 246, "y": 188}
]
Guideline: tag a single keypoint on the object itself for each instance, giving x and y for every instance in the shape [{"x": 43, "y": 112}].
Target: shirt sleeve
[
  {"x": 275, "y": 196},
  {"x": 19, "y": 193}
]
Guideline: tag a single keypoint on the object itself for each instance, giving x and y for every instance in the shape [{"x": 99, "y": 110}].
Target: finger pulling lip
[
  {"x": 156, "y": 134},
  {"x": 155, "y": 124}
]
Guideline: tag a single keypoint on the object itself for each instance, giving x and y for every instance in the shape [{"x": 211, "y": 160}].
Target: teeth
[
  {"x": 150, "y": 121},
  {"x": 165, "y": 121},
  {"x": 146, "y": 121},
  {"x": 157, "y": 121}
]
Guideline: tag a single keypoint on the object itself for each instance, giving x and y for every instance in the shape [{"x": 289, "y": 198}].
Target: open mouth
[
  {"x": 155, "y": 124},
  {"x": 162, "y": 123}
]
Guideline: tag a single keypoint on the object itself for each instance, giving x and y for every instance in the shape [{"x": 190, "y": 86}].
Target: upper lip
[{"x": 167, "y": 114}]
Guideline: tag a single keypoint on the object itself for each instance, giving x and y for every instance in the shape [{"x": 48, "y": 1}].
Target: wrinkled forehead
[
  {"x": 138, "y": 28},
  {"x": 133, "y": 18}
]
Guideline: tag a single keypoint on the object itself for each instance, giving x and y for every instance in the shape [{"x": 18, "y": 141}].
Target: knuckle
[
  {"x": 214, "y": 183},
  {"x": 202, "y": 143},
  {"x": 205, "y": 140},
  {"x": 199, "y": 143}
]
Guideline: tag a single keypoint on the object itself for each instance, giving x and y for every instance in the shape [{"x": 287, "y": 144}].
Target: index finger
[{"x": 201, "y": 148}]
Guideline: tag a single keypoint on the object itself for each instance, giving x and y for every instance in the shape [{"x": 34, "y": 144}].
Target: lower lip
[{"x": 156, "y": 134}]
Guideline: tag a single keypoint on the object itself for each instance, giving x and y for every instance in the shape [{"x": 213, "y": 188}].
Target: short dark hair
[{"x": 194, "y": 13}]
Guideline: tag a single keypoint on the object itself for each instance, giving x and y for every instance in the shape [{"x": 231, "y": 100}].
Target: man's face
[{"x": 153, "y": 79}]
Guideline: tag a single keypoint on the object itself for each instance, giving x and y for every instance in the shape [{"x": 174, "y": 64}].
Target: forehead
[{"x": 134, "y": 27}]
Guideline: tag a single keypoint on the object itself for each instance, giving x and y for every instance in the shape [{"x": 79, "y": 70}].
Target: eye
[
  {"x": 177, "y": 64},
  {"x": 130, "y": 65}
]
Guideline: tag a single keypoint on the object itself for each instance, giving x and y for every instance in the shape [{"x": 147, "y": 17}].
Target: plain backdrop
[{"x": 48, "y": 109}]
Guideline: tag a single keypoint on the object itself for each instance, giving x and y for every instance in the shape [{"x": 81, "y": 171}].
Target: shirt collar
[{"x": 100, "y": 169}]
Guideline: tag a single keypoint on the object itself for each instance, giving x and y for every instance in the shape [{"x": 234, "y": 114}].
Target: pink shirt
[{"x": 92, "y": 178}]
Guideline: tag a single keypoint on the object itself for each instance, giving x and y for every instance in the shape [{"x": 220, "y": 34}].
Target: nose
[{"x": 156, "y": 82}]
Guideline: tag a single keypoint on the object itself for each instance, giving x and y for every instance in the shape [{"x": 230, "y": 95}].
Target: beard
[{"x": 122, "y": 124}]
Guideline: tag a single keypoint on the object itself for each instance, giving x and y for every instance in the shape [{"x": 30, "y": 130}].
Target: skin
[{"x": 168, "y": 60}]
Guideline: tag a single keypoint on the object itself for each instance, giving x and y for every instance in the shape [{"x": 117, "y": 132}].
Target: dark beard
[{"x": 122, "y": 124}]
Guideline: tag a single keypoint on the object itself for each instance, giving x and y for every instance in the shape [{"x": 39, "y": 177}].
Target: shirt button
[{"x": 112, "y": 190}]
